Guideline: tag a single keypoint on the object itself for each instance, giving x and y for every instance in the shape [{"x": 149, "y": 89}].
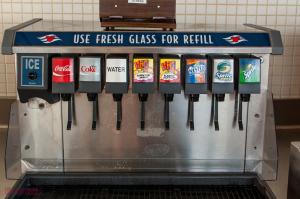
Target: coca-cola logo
[
  {"x": 66, "y": 68},
  {"x": 88, "y": 69}
]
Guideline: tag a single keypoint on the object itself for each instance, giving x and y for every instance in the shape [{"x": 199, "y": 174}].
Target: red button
[{"x": 62, "y": 70}]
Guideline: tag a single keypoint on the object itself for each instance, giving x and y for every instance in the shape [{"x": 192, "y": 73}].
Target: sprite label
[{"x": 249, "y": 71}]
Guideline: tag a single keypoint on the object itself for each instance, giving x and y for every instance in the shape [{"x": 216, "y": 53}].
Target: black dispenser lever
[
  {"x": 248, "y": 81},
  {"x": 169, "y": 81},
  {"x": 68, "y": 98},
  {"x": 222, "y": 82},
  {"x": 117, "y": 81},
  {"x": 143, "y": 98},
  {"x": 143, "y": 81},
  {"x": 196, "y": 82},
  {"x": 168, "y": 98},
  {"x": 192, "y": 99},
  {"x": 91, "y": 81}
]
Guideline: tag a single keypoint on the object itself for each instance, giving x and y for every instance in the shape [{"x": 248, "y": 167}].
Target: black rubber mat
[{"x": 143, "y": 192}]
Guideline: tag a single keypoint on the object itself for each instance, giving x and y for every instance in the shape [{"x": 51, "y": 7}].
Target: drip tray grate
[{"x": 143, "y": 192}]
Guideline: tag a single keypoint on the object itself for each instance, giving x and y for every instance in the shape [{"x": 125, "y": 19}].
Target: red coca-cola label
[{"x": 62, "y": 70}]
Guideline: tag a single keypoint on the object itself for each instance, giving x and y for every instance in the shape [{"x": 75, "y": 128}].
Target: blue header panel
[{"x": 142, "y": 39}]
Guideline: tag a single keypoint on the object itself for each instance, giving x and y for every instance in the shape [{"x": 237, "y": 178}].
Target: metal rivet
[
  {"x": 255, "y": 148},
  {"x": 158, "y": 6},
  {"x": 257, "y": 115},
  {"x": 25, "y": 114},
  {"x": 116, "y": 6},
  {"x": 27, "y": 147}
]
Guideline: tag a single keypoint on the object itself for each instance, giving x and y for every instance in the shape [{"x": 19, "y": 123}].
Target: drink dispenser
[
  {"x": 222, "y": 82},
  {"x": 248, "y": 76},
  {"x": 117, "y": 80},
  {"x": 169, "y": 81},
  {"x": 196, "y": 81},
  {"x": 64, "y": 82},
  {"x": 91, "y": 81},
  {"x": 33, "y": 78},
  {"x": 143, "y": 80}
]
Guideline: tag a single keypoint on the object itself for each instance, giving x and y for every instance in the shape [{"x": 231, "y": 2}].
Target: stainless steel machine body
[{"x": 46, "y": 146}]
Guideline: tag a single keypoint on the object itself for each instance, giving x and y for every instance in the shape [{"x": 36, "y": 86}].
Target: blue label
[
  {"x": 142, "y": 39},
  {"x": 32, "y": 71}
]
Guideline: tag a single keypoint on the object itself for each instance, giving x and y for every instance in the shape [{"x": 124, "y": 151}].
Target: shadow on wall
[{"x": 5, "y": 110}]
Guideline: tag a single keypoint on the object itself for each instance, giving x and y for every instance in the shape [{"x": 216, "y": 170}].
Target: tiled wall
[{"x": 280, "y": 14}]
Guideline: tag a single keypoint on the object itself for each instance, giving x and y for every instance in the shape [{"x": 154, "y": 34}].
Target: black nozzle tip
[
  {"x": 192, "y": 126},
  {"x": 94, "y": 125},
  {"x": 167, "y": 125},
  {"x": 69, "y": 125},
  {"x": 142, "y": 125},
  {"x": 118, "y": 125},
  {"x": 217, "y": 127},
  {"x": 241, "y": 126}
]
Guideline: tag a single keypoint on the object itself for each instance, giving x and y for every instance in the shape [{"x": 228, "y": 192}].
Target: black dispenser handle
[
  {"x": 219, "y": 98},
  {"x": 118, "y": 99},
  {"x": 168, "y": 98},
  {"x": 243, "y": 98},
  {"x": 93, "y": 97},
  {"x": 143, "y": 98},
  {"x": 68, "y": 98},
  {"x": 192, "y": 100}
]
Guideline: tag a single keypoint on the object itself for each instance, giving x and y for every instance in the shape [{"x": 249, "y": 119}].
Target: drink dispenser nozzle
[
  {"x": 63, "y": 82},
  {"x": 117, "y": 81},
  {"x": 248, "y": 80},
  {"x": 91, "y": 81},
  {"x": 222, "y": 82},
  {"x": 196, "y": 82},
  {"x": 143, "y": 81},
  {"x": 169, "y": 81}
]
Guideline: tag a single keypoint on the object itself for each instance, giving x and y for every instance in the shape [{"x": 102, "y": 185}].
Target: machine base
[{"x": 141, "y": 185}]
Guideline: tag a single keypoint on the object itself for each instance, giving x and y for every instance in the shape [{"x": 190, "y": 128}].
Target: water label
[
  {"x": 90, "y": 69},
  {"x": 196, "y": 71},
  {"x": 250, "y": 70},
  {"x": 32, "y": 71},
  {"x": 223, "y": 71},
  {"x": 143, "y": 70},
  {"x": 62, "y": 70},
  {"x": 116, "y": 70},
  {"x": 169, "y": 71}
]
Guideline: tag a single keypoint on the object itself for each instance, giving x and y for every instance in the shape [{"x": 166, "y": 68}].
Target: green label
[{"x": 249, "y": 71}]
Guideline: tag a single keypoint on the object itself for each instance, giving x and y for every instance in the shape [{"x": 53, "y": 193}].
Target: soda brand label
[
  {"x": 196, "y": 71},
  {"x": 90, "y": 69},
  {"x": 223, "y": 71},
  {"x": 63, "y": 70},
  {"x": 250, "y": 70},
  {"x": 116, "y": 70},
  {"x": 169, "y": 71},
  {"x": 143, "y": 70},
  {"x": 32, "y": 71}
]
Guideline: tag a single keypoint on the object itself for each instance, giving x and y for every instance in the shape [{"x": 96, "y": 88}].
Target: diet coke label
[
  {"x": 90, "y": 69},
  {"x": 63, "y": 70}
]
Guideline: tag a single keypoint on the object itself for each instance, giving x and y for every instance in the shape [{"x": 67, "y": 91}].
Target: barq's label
[
  {"x": 116, "y": 70},
  {"x": 138, "y": 1},
  {"x": 143, "y": 70},
  {"x": 90, "y": 69},
  {"x": 169, "y": 71},
  {"x": 249, "y": 71},
  {"x": 63, "y": 70},
  {"x": 196, "y": 71},
  {"x": 223, "y": 70}
]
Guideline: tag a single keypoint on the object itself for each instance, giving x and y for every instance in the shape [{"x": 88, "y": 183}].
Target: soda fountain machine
[{"x": 78, "y": 150}]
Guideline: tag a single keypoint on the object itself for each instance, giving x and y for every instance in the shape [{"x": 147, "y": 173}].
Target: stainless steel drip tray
[{"x": 141, "y": 185}]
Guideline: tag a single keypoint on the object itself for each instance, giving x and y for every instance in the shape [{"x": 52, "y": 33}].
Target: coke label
[
  {"x": 90, "y": 69},
  {"x": 63, "y": 70}
]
